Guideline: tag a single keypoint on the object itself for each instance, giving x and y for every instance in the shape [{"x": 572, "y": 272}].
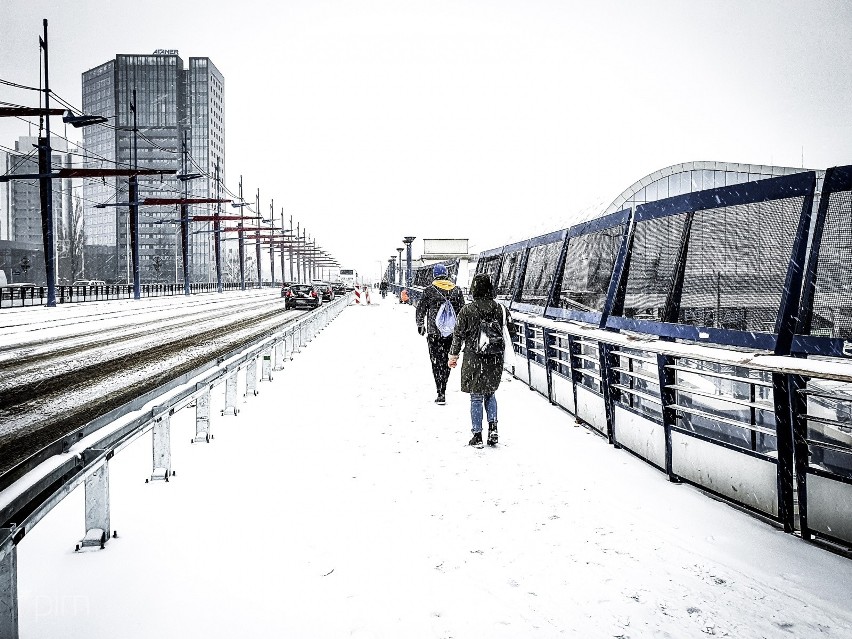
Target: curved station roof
[{"x": 688, "y": 177}]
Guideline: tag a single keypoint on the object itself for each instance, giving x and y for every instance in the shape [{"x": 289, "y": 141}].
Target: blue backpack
[{"x": 445, "y": 320}]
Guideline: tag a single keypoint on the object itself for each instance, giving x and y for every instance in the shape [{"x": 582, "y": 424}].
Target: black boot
[
  {"x": 441, "y": 399},
  {"x": 476, "y": 440},
  {"x": 492, "y": 433}
]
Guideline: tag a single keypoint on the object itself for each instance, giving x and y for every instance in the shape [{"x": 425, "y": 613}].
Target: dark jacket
[
  {"x": 433, "y": 297},
  {"x": 479, "y": 373}
]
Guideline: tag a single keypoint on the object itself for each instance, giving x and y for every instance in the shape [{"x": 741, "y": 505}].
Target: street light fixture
[{"x": 78, "y": 121}]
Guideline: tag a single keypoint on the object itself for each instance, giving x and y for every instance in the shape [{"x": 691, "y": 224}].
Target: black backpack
[{"x": 490, "y": 340}]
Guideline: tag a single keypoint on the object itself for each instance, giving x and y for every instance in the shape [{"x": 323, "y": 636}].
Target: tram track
[
  {"x": 36, "y": 411},
  {"x": 26, "y": 357}
]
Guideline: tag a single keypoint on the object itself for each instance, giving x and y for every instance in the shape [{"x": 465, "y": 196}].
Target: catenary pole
[
  {"x": 281, "y": 248},
  {"x": 184, "y": 224},
  {"x": 217, "y": 232},
  {"x": 134, "y": 206},
  {"x": 242, "y": 242},
  {"x": 290, "y": 248},
  {"x": 257, "y": 239},
  {"x": 272, "y": 244},
  {"x": 46, "y": 185}
]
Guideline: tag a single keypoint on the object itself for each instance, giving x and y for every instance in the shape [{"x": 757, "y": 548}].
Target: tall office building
[{"x": 173, "y": 103}]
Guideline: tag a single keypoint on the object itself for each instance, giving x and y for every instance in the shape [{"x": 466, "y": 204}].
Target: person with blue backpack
[{"x": 436, "y": 315}]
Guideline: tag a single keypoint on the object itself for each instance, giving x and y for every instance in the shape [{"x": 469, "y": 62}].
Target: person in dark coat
[
  {"x": 480, "y": 374},
  {"x": 440, "y": 290}
]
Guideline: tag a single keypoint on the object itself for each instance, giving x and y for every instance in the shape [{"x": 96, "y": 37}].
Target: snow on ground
[{"x": 342, "y": 502}]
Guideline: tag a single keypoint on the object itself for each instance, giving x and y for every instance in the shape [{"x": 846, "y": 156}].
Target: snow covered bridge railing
[
  {"x": 29, "y": 491},
  {"x": 708, "y": 333}
]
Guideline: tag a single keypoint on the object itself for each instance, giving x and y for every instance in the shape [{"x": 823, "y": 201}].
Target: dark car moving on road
[
  {"x": 301, "y": 295},
  {"x": 326, "y": 290}
]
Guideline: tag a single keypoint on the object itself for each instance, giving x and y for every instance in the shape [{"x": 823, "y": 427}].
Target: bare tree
[
  {"x": 76, "y": 240},
  {"x": 232, "y": 266}
]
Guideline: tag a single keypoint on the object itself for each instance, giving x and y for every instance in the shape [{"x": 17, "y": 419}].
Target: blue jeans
[{"x": 476, "y": 401}]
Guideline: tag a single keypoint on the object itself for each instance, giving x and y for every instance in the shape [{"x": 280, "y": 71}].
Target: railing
[
  {"x": 709, "y": 333},
  {"x": 34, "y": 487},
  {"x": 13, "y": 295},
  {"x": 720, "y": 419}
]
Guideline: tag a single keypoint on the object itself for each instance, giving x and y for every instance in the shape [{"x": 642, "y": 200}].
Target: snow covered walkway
[{"x": 342, "y": 502}]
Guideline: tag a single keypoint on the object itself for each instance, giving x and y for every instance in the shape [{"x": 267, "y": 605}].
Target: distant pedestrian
[
  {"x": 441, "y": 290},
  {"x": 383, "y": 288},
  {"x": 481, "y": 371}
]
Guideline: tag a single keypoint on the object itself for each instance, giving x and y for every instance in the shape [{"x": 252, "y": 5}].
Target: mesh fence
[
  {"x": 736, "y": 264},
  {"x": 539, "y": 273},
  {"x": 422, "y": 277},
  {"x": 509, "y": 272},
  {"x": 832, "y": 306},
  {"x": 489, "y": 266},
  {"x": 652, "y": 266},
  {"x": 588, "y": 268}
]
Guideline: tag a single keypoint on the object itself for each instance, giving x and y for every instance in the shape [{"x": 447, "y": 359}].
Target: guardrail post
[
  {"x": 668, "y": 400},
  {"x": 162, "y": 449},
  {"x": 279, "y": 355},
  {"x": 291, "y": 335},
  {"x": 784, "y": 434},
  {"x": 545, "y": 346},
  {"x": 801, "y": 450},
  {"x": 97, "y": 504},
  {"x": 609, "y": 377},
  {"x": 574, "y": 350},
  {"x": 8, "y": 584},
  {"x": 251, "y": 377},
  {"x": 231, "y": 393},
  {"x": 266, "y": 371},
  {"x": 202, "y": 417}
]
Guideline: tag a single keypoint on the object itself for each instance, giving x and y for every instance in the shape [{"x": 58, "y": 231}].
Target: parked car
[
  {"x": 88, "y": 283},
  {"x": 304, "y": 295},
  {"x": 326, "y": 290}
]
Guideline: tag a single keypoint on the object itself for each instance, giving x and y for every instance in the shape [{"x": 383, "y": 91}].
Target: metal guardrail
[{"x": 30, "y": 490}]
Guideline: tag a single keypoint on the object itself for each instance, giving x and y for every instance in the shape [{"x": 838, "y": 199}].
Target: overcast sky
[{"x": 493, "y": 120}]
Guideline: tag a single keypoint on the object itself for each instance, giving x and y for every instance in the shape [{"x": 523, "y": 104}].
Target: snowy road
[
  {"x": 62, "y": 367},
  {"x": 342, "y": 502}
]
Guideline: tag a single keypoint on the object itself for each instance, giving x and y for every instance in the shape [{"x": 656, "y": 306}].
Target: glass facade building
[{"x": 172, "y": 102}]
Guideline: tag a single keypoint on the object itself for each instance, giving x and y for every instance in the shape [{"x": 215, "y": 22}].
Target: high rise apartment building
[
  {"x": 173, "y": 103},
  {"x": 20, "y": 214},
  {"x": 22, "y": 207}
]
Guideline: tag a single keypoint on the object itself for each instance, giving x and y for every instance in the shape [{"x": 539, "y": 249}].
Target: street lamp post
[
  {"x": 408, "y": 239},
  {"x": 399, "y": 263}
]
